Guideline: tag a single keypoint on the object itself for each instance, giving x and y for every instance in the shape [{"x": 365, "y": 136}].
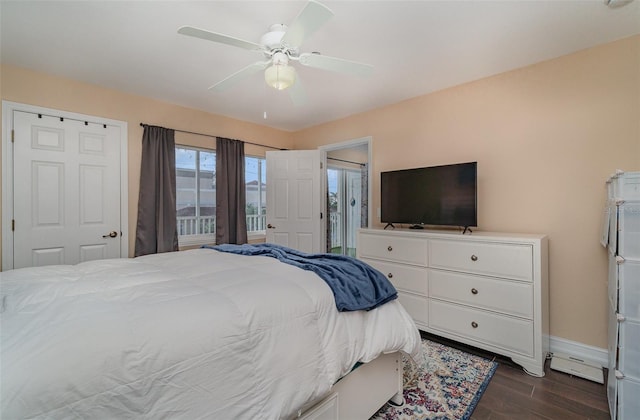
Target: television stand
[
  {"x": 416, "y": 227},
  {"x": 467, "y": 228},
  {"x": 389, "y": 224}
]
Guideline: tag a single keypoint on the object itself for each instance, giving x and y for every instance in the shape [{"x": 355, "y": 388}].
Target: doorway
[
  {"x": 348, "y": 193},
  {"x": 345, "y": 207}
]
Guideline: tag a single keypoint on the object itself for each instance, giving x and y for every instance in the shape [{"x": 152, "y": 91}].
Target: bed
[{"x": 193, "y": 334}]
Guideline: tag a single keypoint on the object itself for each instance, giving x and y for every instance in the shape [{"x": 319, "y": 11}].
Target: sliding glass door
[{"x": 345, "y": 204}]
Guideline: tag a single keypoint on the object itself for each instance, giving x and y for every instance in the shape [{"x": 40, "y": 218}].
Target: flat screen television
[{"x": 437, "y": 195}]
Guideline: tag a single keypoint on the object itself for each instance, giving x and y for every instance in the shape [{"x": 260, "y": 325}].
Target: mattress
[{"x": 190, "y": 334}]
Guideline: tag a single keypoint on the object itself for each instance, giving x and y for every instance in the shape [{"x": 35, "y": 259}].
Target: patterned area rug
[{"x": 448, "y": 385}]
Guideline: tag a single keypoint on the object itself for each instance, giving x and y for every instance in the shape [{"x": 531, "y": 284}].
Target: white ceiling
[{"x": 416, "y": 47}]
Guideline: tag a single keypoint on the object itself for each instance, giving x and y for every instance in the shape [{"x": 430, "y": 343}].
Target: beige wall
[
  {"x": 546, "y": 137},
  {"x": 28, "y": 87}
]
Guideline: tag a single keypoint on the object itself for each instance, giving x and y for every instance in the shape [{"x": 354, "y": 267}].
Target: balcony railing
[
  {"x": 206, "y": 225},
  {"x": 256, "y": 222},
  {"x": 190, "y": 225}
]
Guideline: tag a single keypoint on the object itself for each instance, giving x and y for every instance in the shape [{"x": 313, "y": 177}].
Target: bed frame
[{"x": 362, "y": 392}]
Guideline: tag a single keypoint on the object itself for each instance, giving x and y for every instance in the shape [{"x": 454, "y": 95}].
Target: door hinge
[
  {"x": 13, "y": 135},
  {"x": 320, "y": 215},
  {"x": 13, "y": 225},
  {"x": 321, "y": 165}
]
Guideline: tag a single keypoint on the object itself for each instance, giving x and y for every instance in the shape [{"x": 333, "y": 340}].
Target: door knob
[
  {"x": 111, "y": 234},
  {"x": 270, "y": 226}
]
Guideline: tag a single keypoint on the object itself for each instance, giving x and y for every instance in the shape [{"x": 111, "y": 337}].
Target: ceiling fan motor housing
[{"x": 273, "y": 38}]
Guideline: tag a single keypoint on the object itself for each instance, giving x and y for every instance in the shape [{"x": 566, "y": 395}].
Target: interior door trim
[
  {"x": 367, "y": 141},
  {"x": 8, "y": 108}
]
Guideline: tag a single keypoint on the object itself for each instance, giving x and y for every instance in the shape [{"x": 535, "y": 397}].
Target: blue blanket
[{"x": 355, "y": 285}]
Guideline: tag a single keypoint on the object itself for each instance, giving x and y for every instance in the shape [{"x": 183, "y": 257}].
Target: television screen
[{"x": 437, "y": 195}]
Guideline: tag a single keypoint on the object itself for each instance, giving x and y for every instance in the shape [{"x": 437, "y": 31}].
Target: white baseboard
[{"x": 596, "y": 355}]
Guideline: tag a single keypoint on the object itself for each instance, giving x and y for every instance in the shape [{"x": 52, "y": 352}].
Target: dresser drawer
[
  {"x": 629, "y": 337},
  {"x": 491, "y": 259},
  {"x": 508, "y": 297},
  {"x": 612, "y": 282},
  {"x": 393, "y": 248},
  {"x": 629, "y": 283},
  {"x": 512, "y": 334},
  {"x": 628, "y": 401},
  {"x": 407, "y": 278},
  {"x": 416, "y": 306},
  {"x": 629, "y": 230}
]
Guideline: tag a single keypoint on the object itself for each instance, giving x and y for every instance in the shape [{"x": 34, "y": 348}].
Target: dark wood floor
[{"x": 513, "y": 394}]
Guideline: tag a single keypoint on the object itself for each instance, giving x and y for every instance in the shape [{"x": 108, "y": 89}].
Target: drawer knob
[
  {"x": 389, "y": 248},
  {"x": 474, "y": 258},
  {"x": 474, "y": 291},
  {"x": 390, "y": 275},
  {"x": 474, "y": 324}
]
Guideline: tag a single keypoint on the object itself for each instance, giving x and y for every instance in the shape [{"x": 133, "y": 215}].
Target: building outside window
[{"x": 196, "y": 195}]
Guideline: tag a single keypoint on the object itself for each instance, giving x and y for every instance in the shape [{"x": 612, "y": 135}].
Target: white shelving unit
[{"x": 621, "y": 237}]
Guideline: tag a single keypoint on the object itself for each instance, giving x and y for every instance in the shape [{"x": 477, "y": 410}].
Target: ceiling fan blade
[
  {"x": 226, "y": 83},
  {"x": 335, "y": 64},
  {"x": 312, "y": 17},
  {"x": 297, "y": 93},
  {"x": 220, "y": 38}
]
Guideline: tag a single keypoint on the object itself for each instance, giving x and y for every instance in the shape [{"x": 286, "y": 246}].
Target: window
[
  {"x": 196, "y": 195},
  {"x": 255, "y": 176}
]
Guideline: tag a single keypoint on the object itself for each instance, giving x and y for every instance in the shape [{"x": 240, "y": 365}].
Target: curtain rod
[
  {"x": 248, "y": 142},
  {"x": 346, "y": 161},
  {"x": 210, "y": 135}
]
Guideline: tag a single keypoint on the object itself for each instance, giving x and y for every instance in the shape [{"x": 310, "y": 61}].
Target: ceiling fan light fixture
[{"x": 280, "y": 76}]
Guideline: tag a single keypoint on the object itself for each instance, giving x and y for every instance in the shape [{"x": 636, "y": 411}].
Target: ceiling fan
[{"x": 280, "y": 47}]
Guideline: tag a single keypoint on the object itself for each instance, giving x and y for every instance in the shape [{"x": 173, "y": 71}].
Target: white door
[
  {"x": 296, "y": 199},
  {"x": 66, "y": 187}
]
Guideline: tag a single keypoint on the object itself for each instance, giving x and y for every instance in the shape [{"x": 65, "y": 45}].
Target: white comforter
[{"x": 192, "y": 334}]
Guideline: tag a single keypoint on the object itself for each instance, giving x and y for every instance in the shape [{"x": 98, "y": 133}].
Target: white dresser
[
  {"x": 488, "y": 290},
  {"x": 622, "y": 240}
]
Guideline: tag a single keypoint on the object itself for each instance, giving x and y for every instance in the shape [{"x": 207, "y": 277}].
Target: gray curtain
[
  {"x": 156, "y": 230},
  {"x": 231, "y": 215},
  {"x": 364, "y": 196}
]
